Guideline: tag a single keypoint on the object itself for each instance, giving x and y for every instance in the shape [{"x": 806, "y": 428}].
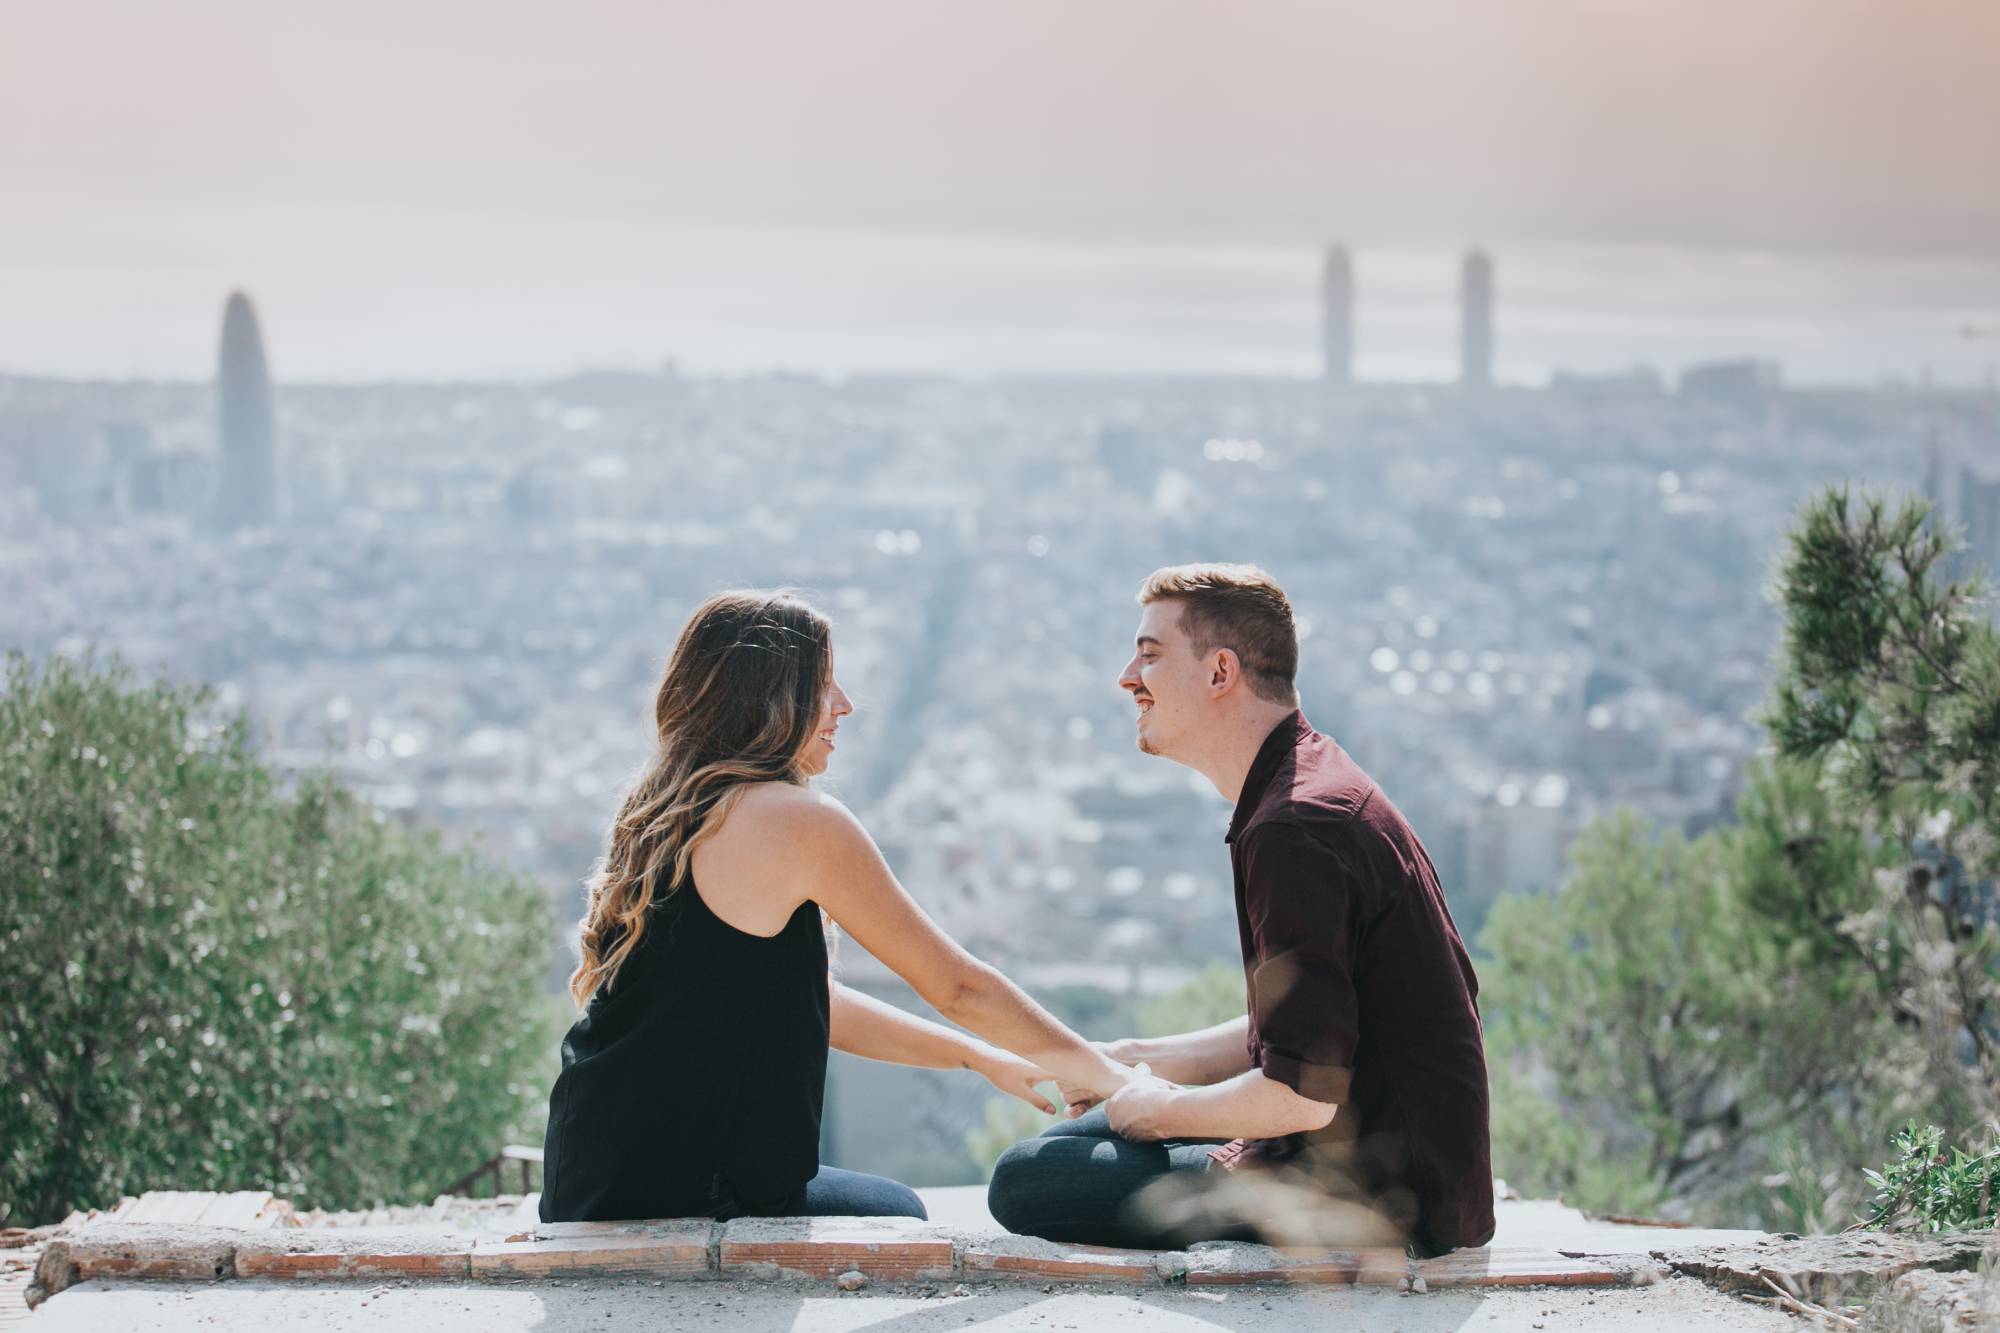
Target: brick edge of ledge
[{"x": 793, "y": 1250}]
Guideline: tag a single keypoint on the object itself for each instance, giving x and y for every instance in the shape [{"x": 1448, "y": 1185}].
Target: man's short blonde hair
[{"x": 1238, "y": 607}]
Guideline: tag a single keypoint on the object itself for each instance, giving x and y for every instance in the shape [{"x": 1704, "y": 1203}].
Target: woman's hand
[
  {"x": 1078, "y": 1099},
  {"x": 1014, "y": 1076}
]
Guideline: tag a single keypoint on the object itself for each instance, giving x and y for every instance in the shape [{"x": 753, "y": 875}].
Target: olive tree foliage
[
  {"x": 216, "y": 979},
  {"x": 1660, "y": 1042},
  {"x": 1732, "y": 1028},
  {"x": 1890, "y": 682}
]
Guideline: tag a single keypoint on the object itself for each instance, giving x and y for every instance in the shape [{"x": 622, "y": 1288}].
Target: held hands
[
  {"x": 1078, "y": 1099},
  {"x": 1138, "y": 1111}
]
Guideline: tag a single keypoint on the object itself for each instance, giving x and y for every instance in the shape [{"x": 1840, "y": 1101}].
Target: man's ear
[{"x": 1225, "y": 671}]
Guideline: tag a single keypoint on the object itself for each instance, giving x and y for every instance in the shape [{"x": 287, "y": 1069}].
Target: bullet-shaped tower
[{"x": 247, "y": 491}]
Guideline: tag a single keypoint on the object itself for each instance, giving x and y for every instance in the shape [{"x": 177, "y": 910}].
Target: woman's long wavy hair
[{"x": 740, "y": 702}]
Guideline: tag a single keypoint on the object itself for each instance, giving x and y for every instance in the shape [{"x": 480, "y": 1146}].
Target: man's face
[{"x": 1168, "y": 683}]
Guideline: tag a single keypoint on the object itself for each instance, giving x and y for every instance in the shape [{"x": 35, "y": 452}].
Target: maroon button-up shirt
[{"x": 1361, "y": 992}]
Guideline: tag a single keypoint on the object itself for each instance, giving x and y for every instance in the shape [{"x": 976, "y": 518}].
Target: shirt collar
[{"x": 1284, "y": 738}]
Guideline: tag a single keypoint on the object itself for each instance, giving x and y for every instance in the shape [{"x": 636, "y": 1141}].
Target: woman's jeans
[
  {"x": 1081, "y": 1183},
  {"x": 833, "y": 1193}
]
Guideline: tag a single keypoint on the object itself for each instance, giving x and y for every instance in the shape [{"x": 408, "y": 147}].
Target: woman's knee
[
  {"x": 902, "y": 1201},
  {"x": 838, "y": 1192}
]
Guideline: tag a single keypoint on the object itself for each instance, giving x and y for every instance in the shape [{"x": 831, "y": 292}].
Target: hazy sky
[{"x": 141, "y": 143}]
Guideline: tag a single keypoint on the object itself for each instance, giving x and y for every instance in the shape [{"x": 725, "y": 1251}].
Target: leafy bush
[
  {"x": 1924, "y": 1188},
  {"x": 1213, "y": 995},
  {"x": 1008, "y": 1121},
  {"x": 214, "y": 981}
]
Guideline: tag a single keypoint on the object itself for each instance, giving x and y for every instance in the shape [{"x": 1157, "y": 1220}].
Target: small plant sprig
[{"x": 1926, "y": 1187}]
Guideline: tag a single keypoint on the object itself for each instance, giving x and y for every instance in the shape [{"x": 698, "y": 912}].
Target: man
[{"x": 1349, "y": 1105}]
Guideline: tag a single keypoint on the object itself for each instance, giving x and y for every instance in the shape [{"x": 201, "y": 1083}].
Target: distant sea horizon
[{"x": 377, "y": 297}]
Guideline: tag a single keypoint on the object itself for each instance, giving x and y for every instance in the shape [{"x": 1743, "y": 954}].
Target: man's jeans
[{"x": 1080, "y": 1182}]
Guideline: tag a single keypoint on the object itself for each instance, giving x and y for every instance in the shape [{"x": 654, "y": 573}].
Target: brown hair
[
  {"x": 740, "y": 700},
  {"x": 1238, "y": 607}
]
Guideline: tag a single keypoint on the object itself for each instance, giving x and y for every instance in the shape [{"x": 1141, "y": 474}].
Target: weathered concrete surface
[
  {"x": 1924, "y": 1301},
  {"x": 999, "y": 1252},
  {"x": 1676, "y": 1305},
  {"x": 888, "y": 1248},
  {"x": 1927, "y": 1302},
  {"x": 350, "y": 1252},
  {"x": 1830, "y": 1271},
  {"x": 683, "y": 1248},
  {"x": 137, "y": 1250}
]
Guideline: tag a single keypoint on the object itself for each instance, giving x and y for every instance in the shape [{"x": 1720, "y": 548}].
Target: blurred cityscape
[{"x": 1519, "y": 606}]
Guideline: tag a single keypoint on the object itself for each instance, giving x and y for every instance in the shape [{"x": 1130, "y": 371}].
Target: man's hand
[{"x": 1138, "y": 1111}]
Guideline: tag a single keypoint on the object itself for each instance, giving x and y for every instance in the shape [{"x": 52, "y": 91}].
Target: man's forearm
[{"x": 1194, "y": 1059}]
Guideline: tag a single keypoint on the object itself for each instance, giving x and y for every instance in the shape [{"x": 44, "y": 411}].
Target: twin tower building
[{"x": 1475, "y": 319}]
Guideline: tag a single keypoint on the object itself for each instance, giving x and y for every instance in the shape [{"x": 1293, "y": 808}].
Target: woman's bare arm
[
  {"x": 865, "y": 1026},
  {"x": 851, "y": 881}
]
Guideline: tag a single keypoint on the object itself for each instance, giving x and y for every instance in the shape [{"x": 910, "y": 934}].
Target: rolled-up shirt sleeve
[{"x": 1305, "y": 1018}]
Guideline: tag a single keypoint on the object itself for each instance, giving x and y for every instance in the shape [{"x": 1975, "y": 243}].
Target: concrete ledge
[
  {"x": 891, "y": 1249},
  {"x": 1517, "y": 1268},
  {"x": 1229, "y": 1264},
  {"x": 680, "y": 1248},
  {"x": 886, "y": 1250},
  {"x": 1832, "y": 1271},
  {"x": 184, "y": 1253},
  {"x": 1002, "y": 1254},
  {"x": 352, "y": 1253}
]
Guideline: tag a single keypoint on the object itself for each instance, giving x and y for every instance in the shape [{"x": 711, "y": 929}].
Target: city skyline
[
  {"x": 937, "y": 306},
  {"x": 993, "y": 189}
]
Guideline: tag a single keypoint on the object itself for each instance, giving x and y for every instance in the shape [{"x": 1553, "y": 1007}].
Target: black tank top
[{"x": 691, "y": 1086}]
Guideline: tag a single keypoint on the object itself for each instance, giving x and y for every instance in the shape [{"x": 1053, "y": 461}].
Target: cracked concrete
[{"x": 1676, "y": 1305}]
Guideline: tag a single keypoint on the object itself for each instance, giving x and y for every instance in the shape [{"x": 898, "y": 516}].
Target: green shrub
[
  {"x": 1924, "y": 1188},
  {"x": 216, "y": 981},
  {"x": 1212, "y": 995}
]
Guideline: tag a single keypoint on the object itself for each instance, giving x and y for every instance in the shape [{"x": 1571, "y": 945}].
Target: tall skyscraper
[
  {"x": 247, "y": 484},
  {"x": 1337, "y": 318},
  {"x": 1475, "y": 321}
]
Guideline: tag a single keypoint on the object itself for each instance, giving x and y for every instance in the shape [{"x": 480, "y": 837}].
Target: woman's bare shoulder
[{"x": 787, "y": 816}]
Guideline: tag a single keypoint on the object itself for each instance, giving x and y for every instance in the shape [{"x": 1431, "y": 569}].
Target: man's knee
[{"x": 1092, "y": 1124}]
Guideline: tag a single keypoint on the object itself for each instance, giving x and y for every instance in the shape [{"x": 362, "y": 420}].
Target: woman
[{"x": 691, "y": 1082}]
